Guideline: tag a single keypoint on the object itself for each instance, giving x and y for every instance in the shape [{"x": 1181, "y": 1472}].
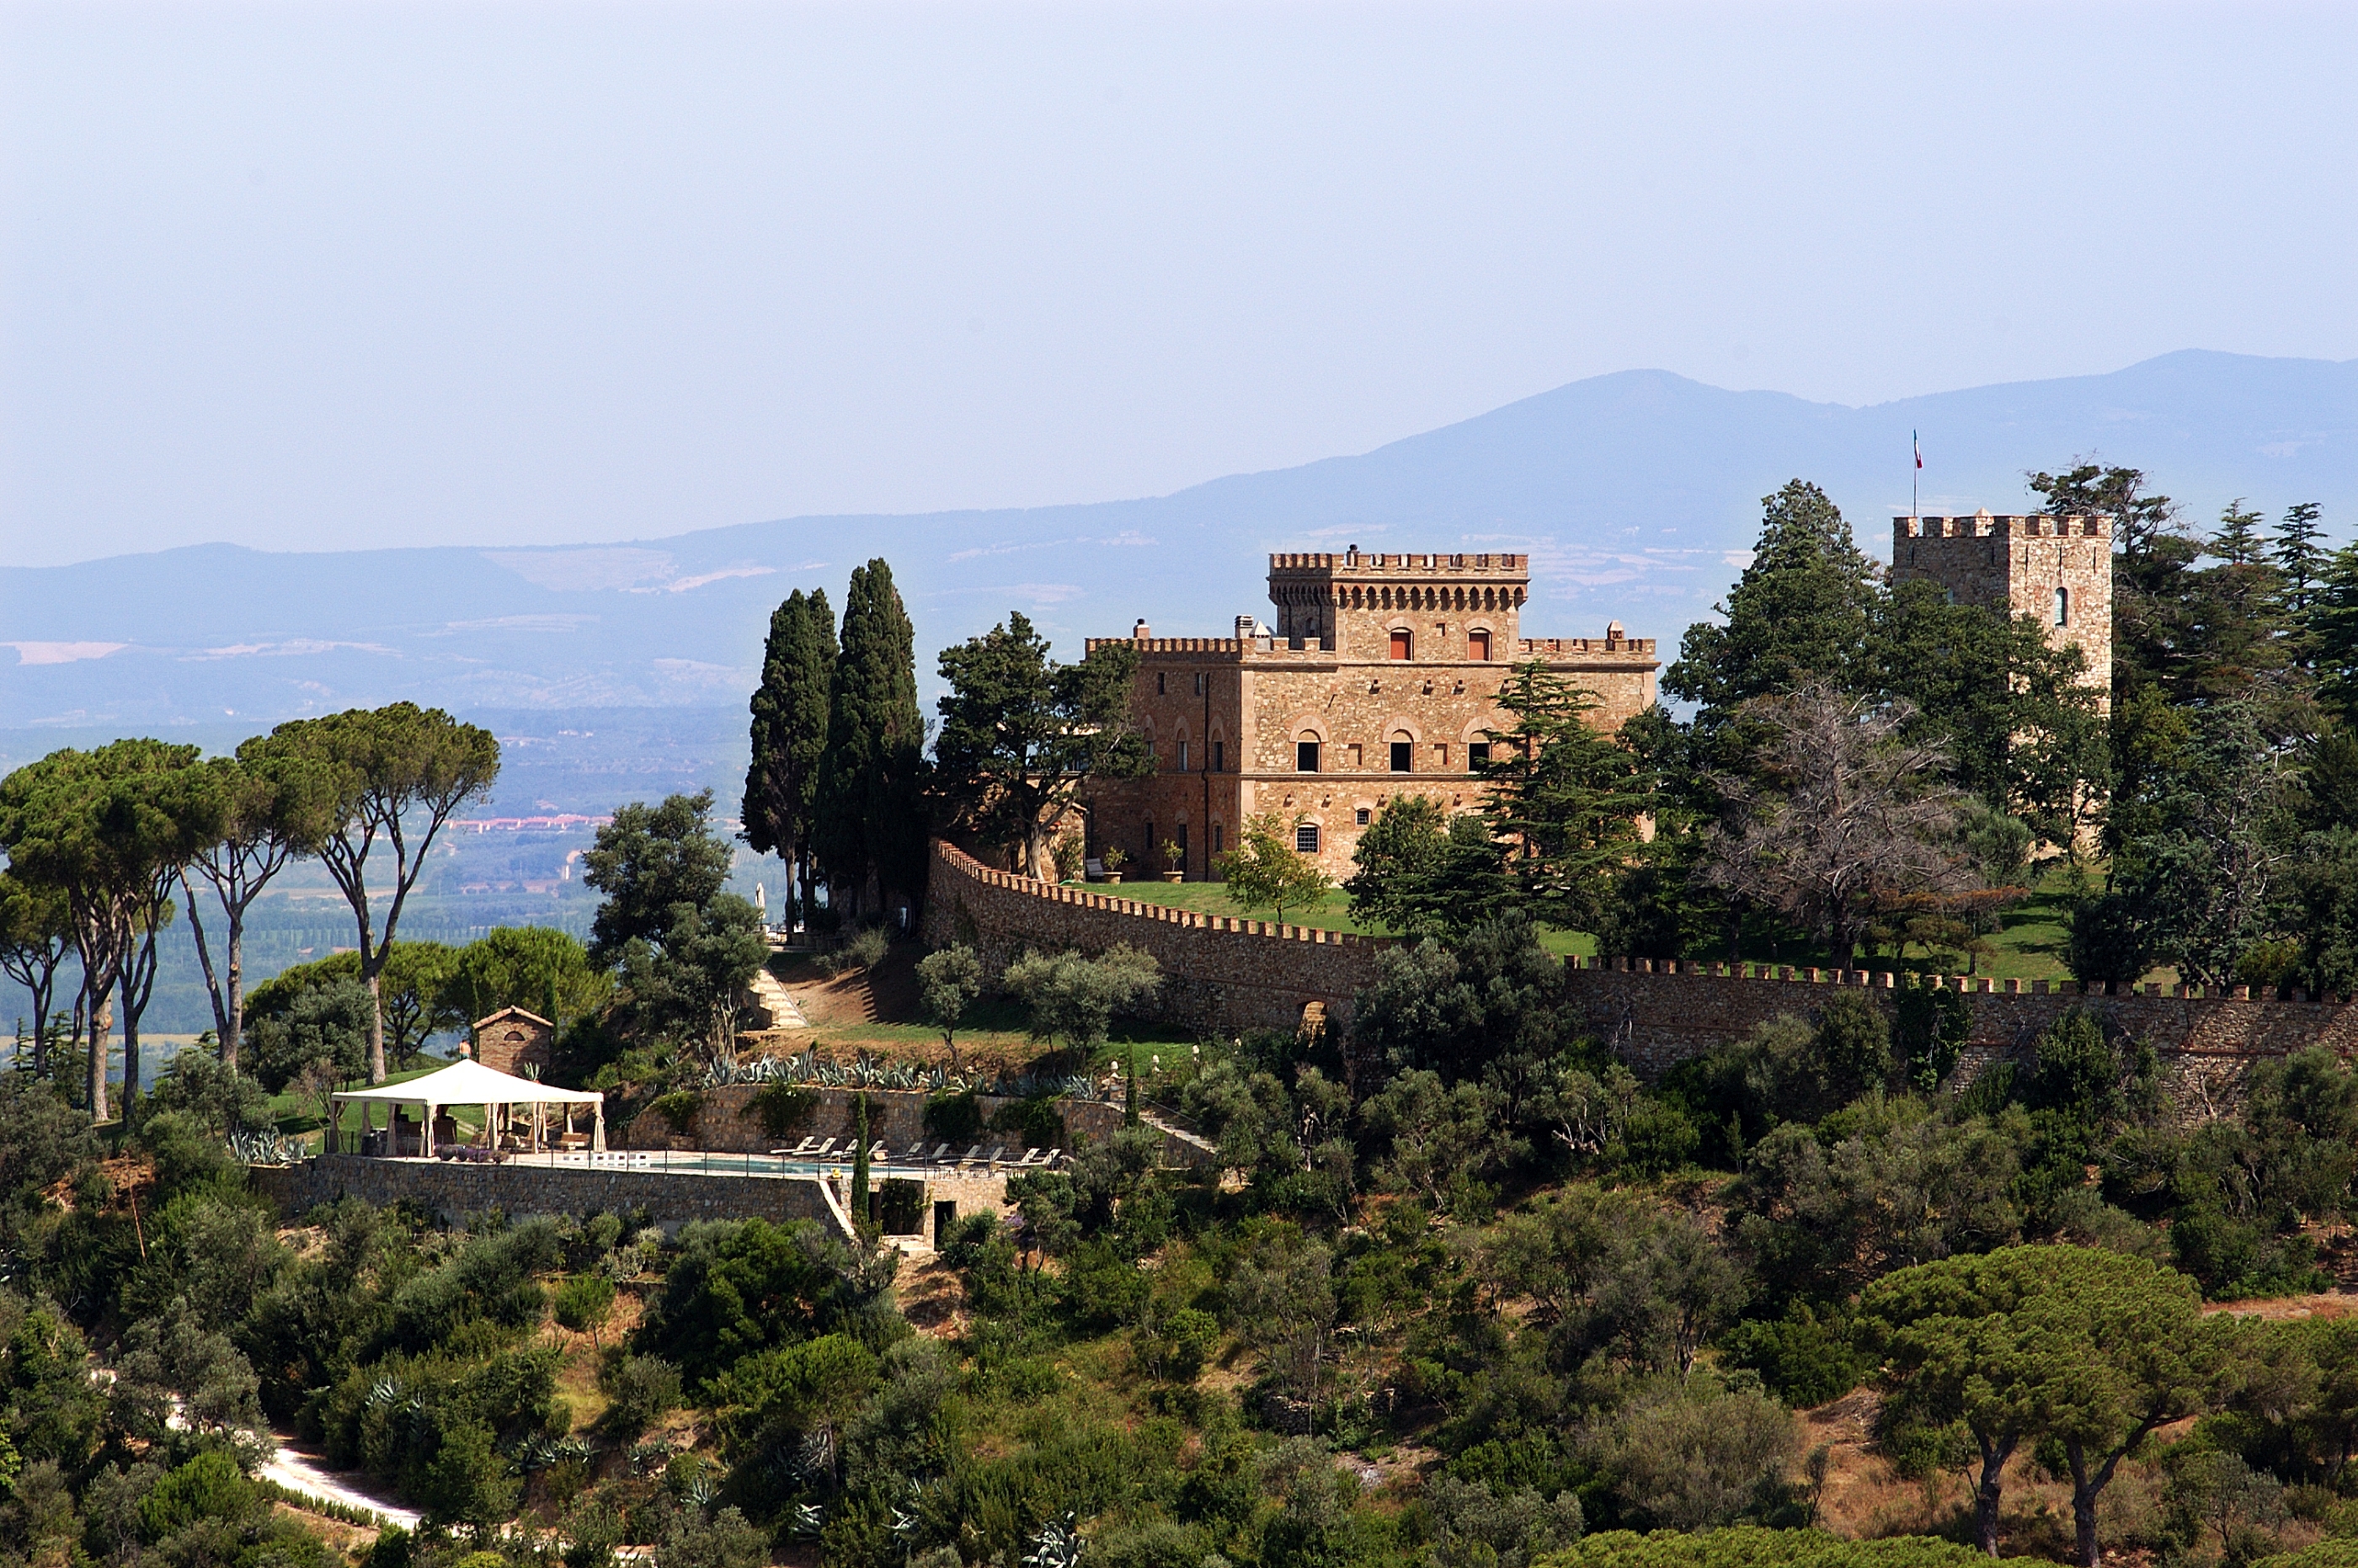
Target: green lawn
[
  {"x": 2027, "y": 945},
  {"x": 1331, "y": 913}
]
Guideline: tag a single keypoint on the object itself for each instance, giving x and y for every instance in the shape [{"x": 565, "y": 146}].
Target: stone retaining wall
[
  {"x": 450, "y": 1189},
  {"x": 1220, "y": 975}
]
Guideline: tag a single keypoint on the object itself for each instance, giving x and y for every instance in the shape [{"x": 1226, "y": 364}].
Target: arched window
[
  {"x": 1478, "y": 646},
  {"x": 1403, "y": 644},
  {"x": 2062, "y": 607},
  {"x": 1305, "y": 754},
  {"x": 1403, "y": 748}
]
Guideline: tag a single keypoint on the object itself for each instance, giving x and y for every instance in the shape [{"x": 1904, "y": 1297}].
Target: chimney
[
  {"x": 1244, "y": 628},
  {"x": 1613, "y": 631},
  {"x": 1139, "y": 631}
]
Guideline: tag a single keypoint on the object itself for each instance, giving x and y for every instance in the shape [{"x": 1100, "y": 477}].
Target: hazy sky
[{"x": 343, "y": 274}]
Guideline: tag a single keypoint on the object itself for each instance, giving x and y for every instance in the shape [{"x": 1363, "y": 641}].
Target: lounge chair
[
  {"x": 968, "y": 1157},
  {"x": 998, "y": 1153},
  {"x": 941, "y": 1152}
]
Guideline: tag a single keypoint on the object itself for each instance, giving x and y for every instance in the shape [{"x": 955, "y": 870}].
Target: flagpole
[{"x": 1915, "y": 467}]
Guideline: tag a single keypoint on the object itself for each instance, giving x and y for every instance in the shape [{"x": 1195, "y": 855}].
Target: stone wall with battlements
[
  {"x": 1228, "y": 975},
  {"x": 1655, "y": 1015},
  {"x": 1220, "y": 975}
]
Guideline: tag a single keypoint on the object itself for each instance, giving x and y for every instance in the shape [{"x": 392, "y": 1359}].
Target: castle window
[
  {"x": 1216, "y": 838},
  {"x": 1402, "y": 642},
  {"x": 1306, "y": 838},
  {"x": 2062, "y": 607},
  {"x": 1361, "y": 815},
  {"x": 1219, "y": 758},
  {"x": 1477, "y": 755},
  {"x": 1478, "y": 646},
  {"x": 1183, "y": 756},
  {"x": 1158, "y": 683},
  {"x": 1403, "y": 756},
  {"x": 1305, "y": 756},
  {"x": 1199, "y": 683}
]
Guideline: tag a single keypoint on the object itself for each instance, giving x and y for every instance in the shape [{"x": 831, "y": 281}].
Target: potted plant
[
  {"x": 1114, "y": 860},
  {"x": 1173, "y": 858}
]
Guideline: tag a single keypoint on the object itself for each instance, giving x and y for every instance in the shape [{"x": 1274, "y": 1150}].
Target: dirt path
[{"x": 307, "y": 1475}]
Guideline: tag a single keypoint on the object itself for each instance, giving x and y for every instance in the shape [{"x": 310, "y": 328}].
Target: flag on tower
[{"x": 1918, "y": 446}]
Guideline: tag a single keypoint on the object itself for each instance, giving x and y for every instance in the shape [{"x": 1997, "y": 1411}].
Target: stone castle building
[
  {"x": 1379, "y": 679},
  {"x": 2058, "y": 570}
]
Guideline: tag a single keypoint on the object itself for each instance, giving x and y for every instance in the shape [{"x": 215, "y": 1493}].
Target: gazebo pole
[
  {"x": 426, "y": 1133},
  {"x": 598, "y": 1138}
]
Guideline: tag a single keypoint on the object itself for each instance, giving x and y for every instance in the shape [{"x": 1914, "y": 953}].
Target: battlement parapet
[
  {"x": 1362, "y": 563},
  {"x": 1968, "y": 985},
  {"x": 1985, "y": 525},
  {"x": 1199, "y": 650},
  {"x": 1546, "y": 647}
]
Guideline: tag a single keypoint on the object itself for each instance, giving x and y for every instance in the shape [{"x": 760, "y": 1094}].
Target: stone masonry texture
[
  {"x": 451, "y": 1190},
  {"x": 1370, "y": 652}
]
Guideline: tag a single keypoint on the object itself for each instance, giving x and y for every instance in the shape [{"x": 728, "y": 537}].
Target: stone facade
[
  {"x": 1380, "y": 680},
  {"x": 1220, "y": 975},
  {"x": 512, "y": 1040},
  {"x": 2057, "y": 570}
]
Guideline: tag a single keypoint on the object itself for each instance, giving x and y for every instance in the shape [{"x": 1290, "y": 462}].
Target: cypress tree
[
  {"x": 859, "y": 1216},
  {"x": 870, "y": 828},
  {"x": 790, "y": 722}
]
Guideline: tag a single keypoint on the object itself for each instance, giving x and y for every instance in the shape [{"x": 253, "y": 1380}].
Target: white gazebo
[{"x": 472, "y": 1083}]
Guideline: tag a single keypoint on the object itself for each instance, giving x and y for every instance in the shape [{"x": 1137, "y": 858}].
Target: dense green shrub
[
  {"x": 783, "y": 1107},
  {"x": 680, "y": 1109},
  {"x": 954, "y": 1118},
  {"x": 640, "y": 1391},
  {"x": 1039, "y": 1122},
  {"x": 1750, "y": 1546},
  {"x": 1805, "y": 1358}
]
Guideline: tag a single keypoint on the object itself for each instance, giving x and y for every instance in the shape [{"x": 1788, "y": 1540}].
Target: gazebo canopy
[
  {"x": 468, "y": 1082},
  {"x": 472, "y": 1083}
]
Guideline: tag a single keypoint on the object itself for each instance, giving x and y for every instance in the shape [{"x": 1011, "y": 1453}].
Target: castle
[
  {"x": 1379, "y": 680},
  {"x": 2057, "y": 570}
]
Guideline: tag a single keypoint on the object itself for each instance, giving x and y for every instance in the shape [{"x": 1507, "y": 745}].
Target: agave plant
[
  {"x": 1058, "y": 1545},
  {"x": 262, "y": 1147},
  {"x": 807, "y": 1519}
]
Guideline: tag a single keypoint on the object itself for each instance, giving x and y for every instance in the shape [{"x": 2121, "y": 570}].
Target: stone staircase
[{"x": 773, "y": 999}]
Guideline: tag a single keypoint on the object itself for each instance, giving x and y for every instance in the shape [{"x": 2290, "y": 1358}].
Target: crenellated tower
[{"x": 2057, "y": 570}]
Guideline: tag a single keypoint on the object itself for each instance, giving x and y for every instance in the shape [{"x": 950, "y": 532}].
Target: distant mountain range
[{"x": 1636, "y": 495}]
